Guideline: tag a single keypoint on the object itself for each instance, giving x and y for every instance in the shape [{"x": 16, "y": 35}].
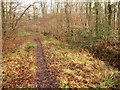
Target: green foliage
[
  {"x": 26, "y": 33},
  {"x": 104, "y": 32},
  {"x": 110, "y": 81},
  {"x": 86, "y": 39},
  {"x": 69, "y": 37},
  {"x": 31, "y": 45},
  {"x": 93, "y": 89},
  {"x": 83, "y": 34}
]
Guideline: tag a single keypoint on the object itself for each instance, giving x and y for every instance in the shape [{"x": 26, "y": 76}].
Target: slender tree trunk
[
  {"x": 114, "y": 17},
  {"x": 76, "y": 8},
  {"x": 3, "y": 18},
  {"x": 109, "y": 13},
  {"x": 97, "y": 17},
  {"x": 67, "y": 16},
  {"x": 106, "y": 11},
  {"x": 86, "y": 23},
  {"x": 90, "y": 13},
  {"x": 43, "y": 8},
  {"x": 118, "y": 16},
  {"x": 35, "y": 14},
  {"x": 1, "y": 43},
  {"x": 51, "y": 6},
  {"x": 58, "y": 6}
]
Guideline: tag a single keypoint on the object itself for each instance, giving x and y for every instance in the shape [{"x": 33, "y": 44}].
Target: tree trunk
[
  {"x": 105, "y": 12},
  {"x": 114, "y": 17},
  {"x": 90, "y": 13},
  {"x": 97, "y": 17},
  {"x": 86, "y": 23},
  {"x": 109, "y": 13},
  {"x": 67, "y": 16},
  {"x": 118, "y": 16}
]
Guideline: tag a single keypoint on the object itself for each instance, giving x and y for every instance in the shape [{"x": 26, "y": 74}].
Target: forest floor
[{"x": 27, "y": 64}]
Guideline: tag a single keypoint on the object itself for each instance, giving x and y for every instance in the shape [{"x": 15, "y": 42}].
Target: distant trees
[
  {"x": 97, "y": 17},
  {"x": 43, "y": 7}
]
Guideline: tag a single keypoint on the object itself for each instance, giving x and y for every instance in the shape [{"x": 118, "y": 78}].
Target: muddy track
[{"x": 43, "y": 76}]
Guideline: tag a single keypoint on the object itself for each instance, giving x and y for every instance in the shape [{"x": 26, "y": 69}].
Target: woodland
[{"x": 60, "y": 44}]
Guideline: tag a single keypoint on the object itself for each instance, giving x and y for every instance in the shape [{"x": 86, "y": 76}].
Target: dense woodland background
[
  {"x": 64, "y": 20},
  {"x": 92, "y": 27}
]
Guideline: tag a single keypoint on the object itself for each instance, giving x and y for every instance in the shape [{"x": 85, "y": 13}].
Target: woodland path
[{"x": 43, "y": 76}]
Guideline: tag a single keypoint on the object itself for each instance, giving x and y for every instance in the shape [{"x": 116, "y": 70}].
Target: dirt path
[{"x": 43, "y": 76}]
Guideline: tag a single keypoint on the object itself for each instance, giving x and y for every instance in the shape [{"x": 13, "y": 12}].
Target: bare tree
[{"x": 10, "y": 17}]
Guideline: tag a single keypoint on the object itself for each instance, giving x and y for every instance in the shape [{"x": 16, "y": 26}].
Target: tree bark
[
  {"x": 97, "y": 17},
  {"x": 118, "y": 16},
  {"x": 109, "y": 13}
]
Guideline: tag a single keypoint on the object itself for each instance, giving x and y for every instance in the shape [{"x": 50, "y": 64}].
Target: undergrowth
[{"x": 77, "y": 69}]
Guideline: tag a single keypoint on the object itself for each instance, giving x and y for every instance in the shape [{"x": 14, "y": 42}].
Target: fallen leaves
[
  {"x": 70, "y": 68},
  {"x": 75, "y": 69},
  {"x": 19, "y": 68}
]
